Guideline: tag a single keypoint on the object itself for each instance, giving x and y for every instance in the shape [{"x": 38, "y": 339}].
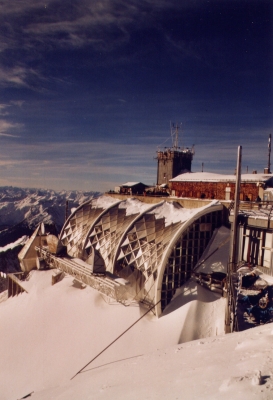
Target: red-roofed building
[{"x": 217, "y": 186}]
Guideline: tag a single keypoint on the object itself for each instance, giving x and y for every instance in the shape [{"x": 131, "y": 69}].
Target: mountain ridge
[{"x": 22, "y": 209}]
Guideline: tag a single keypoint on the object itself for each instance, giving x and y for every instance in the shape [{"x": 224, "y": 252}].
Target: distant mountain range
[{"x": 21, "y": 210}]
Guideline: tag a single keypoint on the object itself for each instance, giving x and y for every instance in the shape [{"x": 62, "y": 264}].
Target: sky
[{"x": 89, "y": 88}]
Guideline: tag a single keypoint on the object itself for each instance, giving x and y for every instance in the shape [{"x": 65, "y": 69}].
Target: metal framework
[
  {"x": 152, "y": 247},
  {"x": 107, "y": 285},
  {"x": 186, "y": 253}
]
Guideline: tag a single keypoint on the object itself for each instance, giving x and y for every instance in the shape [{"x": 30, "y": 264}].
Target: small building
[
  {"x": 206, "y": 185},
  {"x": 131, "y": 188}
]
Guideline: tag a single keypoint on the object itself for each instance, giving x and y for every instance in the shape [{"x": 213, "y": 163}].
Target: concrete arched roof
[
  {"x": 143, "y": 246},
  {"x": 205, "y": 210},
  {"x": 123, "y": 236},
  {"x": 79, "y": 223},
  {"x": 133, "y": 239},
  {"x": 105, "y": 232}
]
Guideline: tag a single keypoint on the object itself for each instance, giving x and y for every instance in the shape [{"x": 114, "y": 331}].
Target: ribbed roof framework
[
  {"x": 75, "y": 229},
  {"x": 143, "y": 249},
  {"x": 106, "y": 233},
  {"x": 132, "y": 238}
]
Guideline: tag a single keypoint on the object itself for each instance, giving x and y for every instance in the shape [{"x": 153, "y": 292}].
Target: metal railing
[{"x": 104, "y": 284}]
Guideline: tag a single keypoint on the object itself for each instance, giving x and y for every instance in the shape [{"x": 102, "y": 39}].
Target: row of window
[{"x": 186, "y": 253}]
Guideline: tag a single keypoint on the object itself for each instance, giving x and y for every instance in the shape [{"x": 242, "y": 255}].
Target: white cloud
[
  {"x": 79, "y": 23},
  {"x": 8, "y": 135},
  {"x": 16, "y": 75},
  {"x": 5, "y": 126}
]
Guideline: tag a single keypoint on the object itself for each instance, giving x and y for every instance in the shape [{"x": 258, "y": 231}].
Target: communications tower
[{"x": 173, "y": 161}]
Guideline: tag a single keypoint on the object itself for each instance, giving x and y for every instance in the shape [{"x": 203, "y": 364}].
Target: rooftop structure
[
  {"x": 131, "y": 188},
  {"x": 219, "y": 186},
  {"x": 173, "y": 161},
  {"x": 152, "y": 248},
  {"x": 213, "y": 177}
]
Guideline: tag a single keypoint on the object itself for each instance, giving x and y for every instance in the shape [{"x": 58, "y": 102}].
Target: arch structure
[{"x": 154, "y": 247}]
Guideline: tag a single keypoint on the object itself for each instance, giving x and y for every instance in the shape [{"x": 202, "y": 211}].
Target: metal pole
[
  {"x": 66, "y": 210},
  {"x": 269, "y": 153},
  {"x": 233, "y": 249},
  {"x": 236, "y": 210}
]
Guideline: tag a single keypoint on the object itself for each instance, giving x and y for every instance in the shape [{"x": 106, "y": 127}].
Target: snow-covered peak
[{"x": 32, "y": 206}]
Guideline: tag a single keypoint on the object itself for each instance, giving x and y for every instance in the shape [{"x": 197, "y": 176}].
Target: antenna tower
[
  {"x": 174, "y": 135},
  {"x": 269, "y": 153}
]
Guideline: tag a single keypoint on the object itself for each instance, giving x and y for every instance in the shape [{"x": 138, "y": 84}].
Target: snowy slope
[
  {"x": 53, "y": 331},
  {"x": 21, "y": 210},
  {"x": 50, "y": 333},
  {"x": 236, "y": 366}
]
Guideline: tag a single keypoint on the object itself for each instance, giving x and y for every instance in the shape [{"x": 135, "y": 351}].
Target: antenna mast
[
  {"x": 269, "y": 153},
  {"x": 174, "y": 133}
]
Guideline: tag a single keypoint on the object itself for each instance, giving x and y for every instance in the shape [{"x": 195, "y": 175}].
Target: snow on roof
[
  {"x": 212, "y": 177},
  {"x": 173, "y": 212},
  {"x": 134, "y": 206},
  {"x": 129, "y": 184},
  {"x": 105, "y": 201}
]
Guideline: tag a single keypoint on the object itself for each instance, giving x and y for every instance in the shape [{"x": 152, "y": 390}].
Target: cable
[{"x": 115, "y": 340}]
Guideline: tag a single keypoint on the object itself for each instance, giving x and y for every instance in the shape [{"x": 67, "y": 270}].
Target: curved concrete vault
[{"x": 153, "y": 246}]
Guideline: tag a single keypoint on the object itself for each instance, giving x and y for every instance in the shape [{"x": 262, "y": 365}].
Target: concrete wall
[
  {"x": 164, "y": 171},
  {"x": 171, "y": 163}
]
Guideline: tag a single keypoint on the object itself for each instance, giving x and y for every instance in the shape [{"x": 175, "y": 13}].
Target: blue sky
[{"x": 89, "y": 87}]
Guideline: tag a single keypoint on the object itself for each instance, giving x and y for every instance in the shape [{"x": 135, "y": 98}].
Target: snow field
[{"x": 53, "y": 331}]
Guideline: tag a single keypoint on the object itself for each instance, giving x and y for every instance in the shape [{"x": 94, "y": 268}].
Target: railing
[
  {"x": 15, "y": 283},
  {"x": 252, "y": 205},
  {"x": 105, "y": 284},
  {"x": 255, "y": 205}
]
